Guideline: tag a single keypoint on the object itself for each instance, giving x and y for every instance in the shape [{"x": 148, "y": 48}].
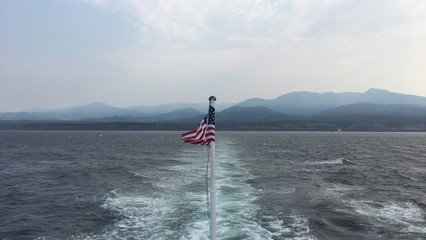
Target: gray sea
[{"x": 270, "y": 185}]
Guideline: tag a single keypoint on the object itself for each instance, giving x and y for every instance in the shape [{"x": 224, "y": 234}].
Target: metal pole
[
  {"x": 212, "y": 185},
  {"x": 212, "y": 192}
]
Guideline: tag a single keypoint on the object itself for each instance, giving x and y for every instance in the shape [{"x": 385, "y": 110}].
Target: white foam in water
[
  {"x": 159, "y": 217},
  {"x": 297, "y": 226},
  {"x": 339, "y": 189},
  {"x": 237, "y": 208},
  {"x": 279, "y": 151},
  {"x": 235, "y": 200},
  {"x": 179, "y": 211},
  {"x": 327, "y": 162},
  {"x": 408, "y": 214},
  {"x": 287, "y": 190}
]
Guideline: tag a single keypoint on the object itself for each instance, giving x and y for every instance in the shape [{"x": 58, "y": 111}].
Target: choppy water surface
[{"x": 149, "y": 185}]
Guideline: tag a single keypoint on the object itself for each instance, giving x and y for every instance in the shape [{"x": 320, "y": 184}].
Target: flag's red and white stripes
[
  {"x": 196, "y": 136},
  {"x": 205, "y": 133},
  {"x": 210, "y": 134}
]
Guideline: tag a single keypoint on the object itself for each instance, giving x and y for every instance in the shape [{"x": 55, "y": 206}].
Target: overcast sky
[{"x": 61, "y": 53}]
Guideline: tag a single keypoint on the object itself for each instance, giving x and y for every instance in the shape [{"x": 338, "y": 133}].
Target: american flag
[{"x": 205, "y": 133}]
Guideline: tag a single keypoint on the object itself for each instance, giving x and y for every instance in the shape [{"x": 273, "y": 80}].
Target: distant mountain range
[
  {"x": 308, "y": 103},
  {"x": 295, "y": 109},
  {"x": 104, "y": 112}
]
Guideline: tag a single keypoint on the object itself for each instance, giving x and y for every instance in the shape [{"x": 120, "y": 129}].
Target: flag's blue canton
[{"x": 211, "y": 117}]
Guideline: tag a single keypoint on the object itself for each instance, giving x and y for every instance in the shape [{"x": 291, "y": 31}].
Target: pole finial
[{"x": 212, "y": 98}]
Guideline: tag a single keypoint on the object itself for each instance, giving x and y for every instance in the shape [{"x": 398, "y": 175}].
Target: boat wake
[{"x": 178, "y": 209}]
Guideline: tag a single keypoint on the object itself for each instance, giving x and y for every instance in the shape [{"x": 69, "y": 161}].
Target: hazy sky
[{"x": 60, "y": 53}]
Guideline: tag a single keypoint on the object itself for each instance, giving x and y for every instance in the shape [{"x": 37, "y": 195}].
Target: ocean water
[{"x": 270, "y": 185}]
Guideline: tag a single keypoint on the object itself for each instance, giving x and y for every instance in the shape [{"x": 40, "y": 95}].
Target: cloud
[
  {"x": 98, "y": 3},
  {"x": 156, "y": 51},
  {"x": 188, "y": 21},
  {"x": 287, "y": 45},
  {"x": 194, "y": 20}
]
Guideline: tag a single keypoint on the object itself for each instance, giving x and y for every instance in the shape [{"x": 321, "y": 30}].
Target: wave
[
  {"x": 339, "y": 189},
  {"x": 290, "y": 226},
  {"x": 332, "y": 162},
  {"x": 407, "y": 214},
  {"x": 278, "y": 151},
  {"x": 286, "y": 190}
]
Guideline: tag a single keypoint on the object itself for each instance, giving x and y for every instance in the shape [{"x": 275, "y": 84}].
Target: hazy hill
[
  {"x": 93, "y": 110},
  {"x": 379, "y": 96},
  {"x": 166, "y": 108},
  {"x": 251, "y": 114},
  {"x": 39, "y": 116},
  {"x": 308, "y": 103},
  {"x": 371, "y": 110},
  {"x": 303, "y": 103},
  {"x": 99, "y": 110},
  {"x": 173, "y": 115}
]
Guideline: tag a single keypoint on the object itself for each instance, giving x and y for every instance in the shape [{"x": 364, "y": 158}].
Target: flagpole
[{"x": 212, "y": 156}]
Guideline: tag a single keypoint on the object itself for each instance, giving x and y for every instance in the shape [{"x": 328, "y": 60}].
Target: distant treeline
[{"x": 294, "y": 125}]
